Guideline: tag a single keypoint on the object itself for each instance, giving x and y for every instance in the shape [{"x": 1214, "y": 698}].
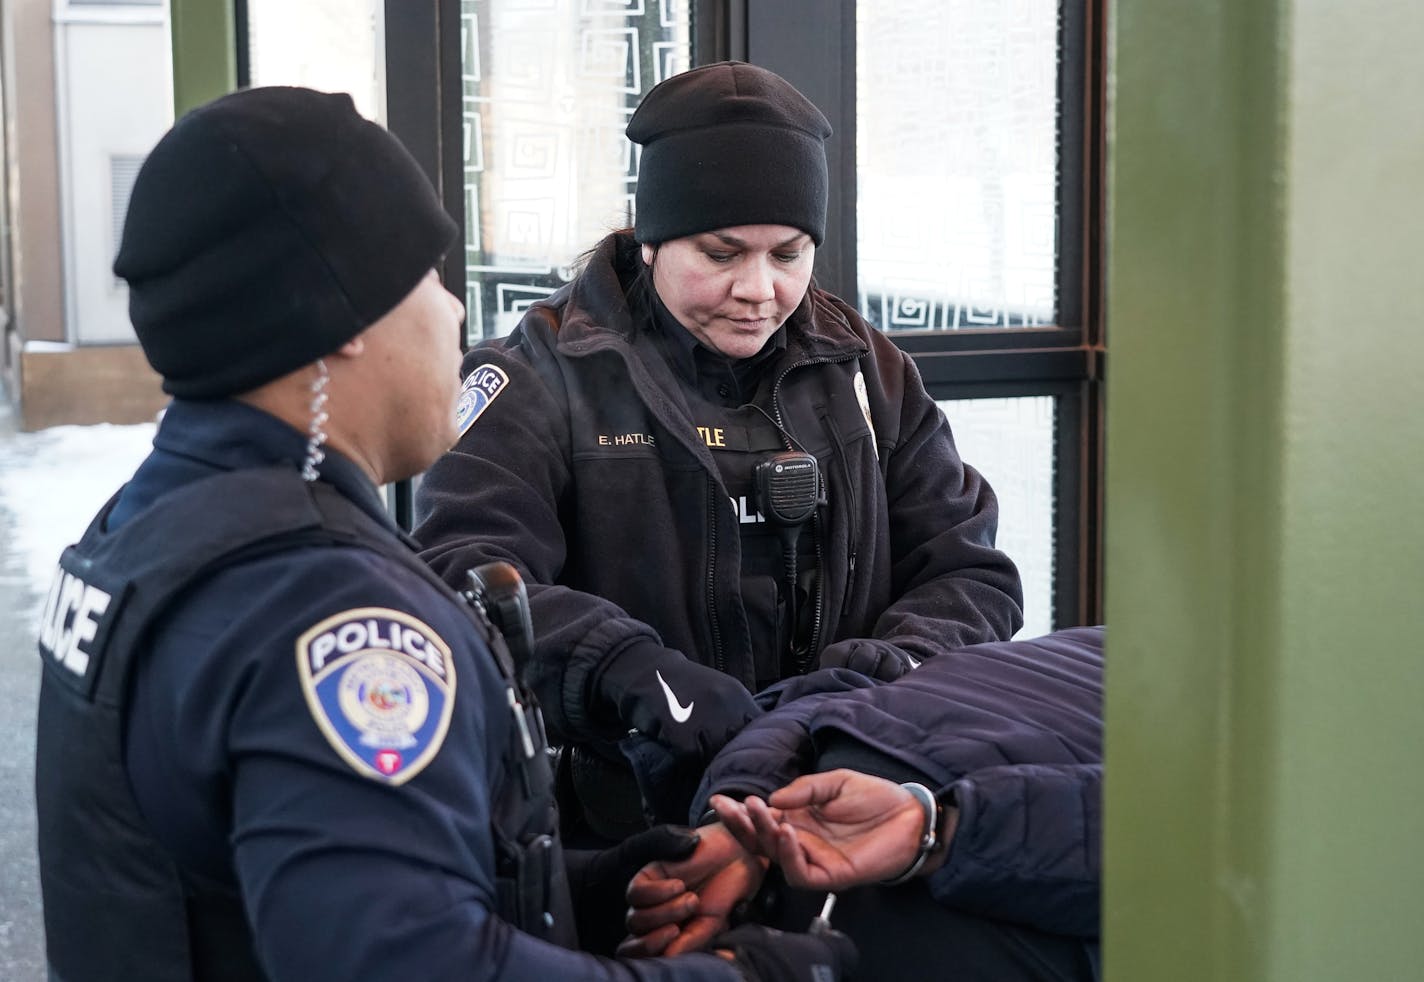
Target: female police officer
[
  {"x": 272, "y": 744},
  {"x": 712, "y": 474}
]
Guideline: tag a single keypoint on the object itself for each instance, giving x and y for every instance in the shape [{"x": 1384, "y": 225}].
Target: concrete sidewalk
[{"x": 51, "y": 484}]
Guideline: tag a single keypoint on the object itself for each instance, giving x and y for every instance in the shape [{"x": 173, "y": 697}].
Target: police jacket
[
  {"x": 316, "y": 767},
  {"x": 1009, "y": 732},
  {"x": 582, "y": 463}
]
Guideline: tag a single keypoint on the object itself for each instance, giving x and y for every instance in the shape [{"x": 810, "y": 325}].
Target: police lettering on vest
[
  {"x": 75, "y": 624},
  {"x": 745, "y": 510},
  {"x": 70, "y": 620}
]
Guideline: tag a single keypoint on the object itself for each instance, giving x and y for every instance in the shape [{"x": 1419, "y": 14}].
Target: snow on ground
[{"x": 51, "y": 484}]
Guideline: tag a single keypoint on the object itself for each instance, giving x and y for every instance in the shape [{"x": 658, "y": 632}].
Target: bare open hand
[{"x": 830, "y": 831}]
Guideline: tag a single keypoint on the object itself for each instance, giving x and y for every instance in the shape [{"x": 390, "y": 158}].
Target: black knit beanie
[
  {"x": 728, "y": 144},
  {"x": 267, "y": 229}
]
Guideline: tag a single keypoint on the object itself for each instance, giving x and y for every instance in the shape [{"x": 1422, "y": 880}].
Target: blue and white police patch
[
  {"x": 480, "y": 388},
  {"x": 381, "y": 687}
]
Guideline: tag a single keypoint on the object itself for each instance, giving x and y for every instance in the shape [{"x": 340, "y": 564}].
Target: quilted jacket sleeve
[
  {"x": 1009, "y": 732},
  {"x": 1027, "y": 848},
  {"x": 775, "y": 749}
]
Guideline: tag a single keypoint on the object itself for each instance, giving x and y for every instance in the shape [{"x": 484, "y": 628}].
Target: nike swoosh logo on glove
[{"x": 680, "y": 713}]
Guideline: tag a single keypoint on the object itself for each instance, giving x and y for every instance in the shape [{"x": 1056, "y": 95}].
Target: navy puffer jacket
[{"x": 1010, "y": 732}]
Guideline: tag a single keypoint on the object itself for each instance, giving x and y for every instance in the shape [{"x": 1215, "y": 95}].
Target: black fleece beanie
[
  {"x": 724, "y": 145},
  {"x": 267, "y": 229}
]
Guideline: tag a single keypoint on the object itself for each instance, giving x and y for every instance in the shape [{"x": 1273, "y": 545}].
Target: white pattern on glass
[
  {"x": 956, "y": 147},
  {"x": 548, "y": 89},
  {"x": 1010, "y": 442}
]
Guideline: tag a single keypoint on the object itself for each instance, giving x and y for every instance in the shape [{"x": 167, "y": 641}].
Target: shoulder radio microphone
[{"x": 787, "y": 489}]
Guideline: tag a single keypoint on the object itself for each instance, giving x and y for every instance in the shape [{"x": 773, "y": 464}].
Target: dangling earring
[{"x": 317, "y": 436}]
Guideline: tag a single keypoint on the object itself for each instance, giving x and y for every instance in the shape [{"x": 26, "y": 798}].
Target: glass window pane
[
  {"x": 548, "y": 89},
  {"x": 1010, "y": 442},
  {"x": 957, "y": 151},
  {"x": 328, "y": 45}
]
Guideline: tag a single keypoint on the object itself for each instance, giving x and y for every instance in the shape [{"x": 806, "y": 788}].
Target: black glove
[
  {"x": 666, "y": 784},
  {"x": 767, "y": 955},
  {"x": 868, "y": 656},
  {"x": 598, "y": 881},
  {"x": 688, "y": 708}
]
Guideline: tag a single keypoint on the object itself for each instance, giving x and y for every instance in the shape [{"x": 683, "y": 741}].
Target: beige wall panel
[
  {"x": 87, "y": 385},
  {"x": 34, "y": 171}
]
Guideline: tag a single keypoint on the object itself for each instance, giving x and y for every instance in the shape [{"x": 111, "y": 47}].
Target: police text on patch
[{"x": 373, "y": 632}]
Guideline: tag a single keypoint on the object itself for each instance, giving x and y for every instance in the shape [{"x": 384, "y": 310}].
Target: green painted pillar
[
  {"x": 1265, "y": 492},
  {"x": 204, "y": 52}
]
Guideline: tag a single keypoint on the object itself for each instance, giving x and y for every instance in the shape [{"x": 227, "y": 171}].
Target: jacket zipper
[
  {"x": 853, "y": 514},
  {"x": 815, "y": 647},
  {"x": 719, "y": 656},
  {"x": 819, "y": 607}
]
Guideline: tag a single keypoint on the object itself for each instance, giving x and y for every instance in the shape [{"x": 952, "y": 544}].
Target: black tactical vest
[
  {"x": 781, "y": 632},
  {"x": 116, "y": 906}
]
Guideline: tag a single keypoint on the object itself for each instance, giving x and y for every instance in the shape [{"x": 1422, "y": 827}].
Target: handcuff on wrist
[{"x": 929, "y": 838}]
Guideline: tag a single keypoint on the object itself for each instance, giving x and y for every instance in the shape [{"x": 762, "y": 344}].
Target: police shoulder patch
[
  {"x": 480, "y": 389},
  {"x": 381, "y": 686}
]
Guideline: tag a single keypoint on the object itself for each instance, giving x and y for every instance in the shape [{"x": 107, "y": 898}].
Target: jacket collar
[
  {"x": 197, "y": 438},
  {"x": 597, "y": 313}
]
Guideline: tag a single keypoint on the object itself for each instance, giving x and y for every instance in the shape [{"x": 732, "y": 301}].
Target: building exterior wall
[
  {"x": 83, "y": 384},
  {"x": 115, "y": 102},
  {"x": 36, "y": 259},
  {"x": 84, "y": 83},
  {"x": 1348, "y": 781}
]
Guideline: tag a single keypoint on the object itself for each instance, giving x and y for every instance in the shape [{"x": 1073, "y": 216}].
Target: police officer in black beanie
[
  {"x": 271, "y": 743},
  {"x": 712, "y": 474}
]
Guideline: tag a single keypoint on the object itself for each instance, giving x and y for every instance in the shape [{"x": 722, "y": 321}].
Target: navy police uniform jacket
[
  {"x": 582, "y": 463},
  {"x": 320, "y": 758},
  {"x": 1009, "y": 732}
]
